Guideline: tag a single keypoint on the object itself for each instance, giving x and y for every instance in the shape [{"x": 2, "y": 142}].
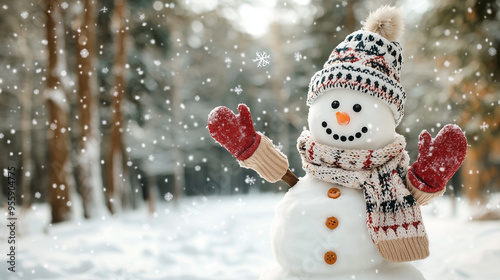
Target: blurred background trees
[{"x": 109, "y": 99}]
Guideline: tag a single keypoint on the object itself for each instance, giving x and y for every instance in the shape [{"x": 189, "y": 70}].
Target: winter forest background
[{"x": 104, "y": 104}]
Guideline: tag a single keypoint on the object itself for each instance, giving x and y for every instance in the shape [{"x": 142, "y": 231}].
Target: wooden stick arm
[{"x": 290, "y": 178}]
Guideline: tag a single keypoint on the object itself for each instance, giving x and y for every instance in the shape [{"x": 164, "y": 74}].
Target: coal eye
[
  {"x": 356, "y": 107},
  {"x": 335, "y": 104}
]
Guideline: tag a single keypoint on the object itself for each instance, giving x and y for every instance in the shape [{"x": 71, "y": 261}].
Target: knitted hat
[{"x": 369, "y": 61}]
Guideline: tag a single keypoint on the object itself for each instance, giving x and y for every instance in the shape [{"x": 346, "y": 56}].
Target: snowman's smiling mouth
[{"x": 344, "y": 138}]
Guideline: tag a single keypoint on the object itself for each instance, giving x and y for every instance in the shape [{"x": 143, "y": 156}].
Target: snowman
[{"x": 356, "y": 212}]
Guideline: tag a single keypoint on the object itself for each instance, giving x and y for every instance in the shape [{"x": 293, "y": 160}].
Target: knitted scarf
[{"x": 393, "y": 217}]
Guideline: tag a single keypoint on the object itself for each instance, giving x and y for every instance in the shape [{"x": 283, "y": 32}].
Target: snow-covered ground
[{"x": 216, "y": 238}]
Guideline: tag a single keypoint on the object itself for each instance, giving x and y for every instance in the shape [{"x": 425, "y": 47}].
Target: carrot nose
[{"x": 343, "y": 118}]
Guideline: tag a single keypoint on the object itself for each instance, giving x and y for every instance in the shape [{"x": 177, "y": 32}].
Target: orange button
[
  {"x": 332, "y": 223},
  {"x": 333, "y": 193},
  {"x": 330, "y": 257}
]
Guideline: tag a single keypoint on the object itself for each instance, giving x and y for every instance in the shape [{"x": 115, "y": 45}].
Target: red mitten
[
  {"x": 438, "y": 158},
  {"x": 234, "y": 132}
]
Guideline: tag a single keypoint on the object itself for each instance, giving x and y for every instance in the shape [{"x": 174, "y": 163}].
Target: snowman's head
[{"x": 348, "y": 119}]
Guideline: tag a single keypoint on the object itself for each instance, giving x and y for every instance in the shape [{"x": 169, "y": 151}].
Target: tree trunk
[
  {"x": 177, "y": 81},
  {"x": 350, "y": 18},
  {"x": 61, "y": 180},
  {"x": 89, "y": 151},
  {"x": 115, "y": 164},
  {"x": 26, "y": 105},
  {"x": 279, "y": 71}
]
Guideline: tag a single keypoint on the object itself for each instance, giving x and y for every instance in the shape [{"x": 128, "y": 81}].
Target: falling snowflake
[
  {"x": 484, "y": 126},
  {"x": 297, "y": 56},
  {"x": 228, "y": 61},
  {"x": 279, "y": 147},
  {"x": 24, "y": 15},
  {"x": 262, "y": 59},
  {"x": 237, "y": 89},
  {"x": 151, "y": 157},
  {"x": 84, "y": 53},
  {"x": 168, "y": 196},
  {"x": 492, "y": 51},
  {"x": 104, "y": 9},
  {"x": 142, "y": 16},
  {"x": 250, "y": 180}
]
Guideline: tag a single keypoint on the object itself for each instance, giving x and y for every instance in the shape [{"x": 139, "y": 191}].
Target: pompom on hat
[{"x": 368, "y": 60}]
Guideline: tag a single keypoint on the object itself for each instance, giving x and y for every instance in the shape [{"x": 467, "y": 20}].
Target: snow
[
  {"x": 58, "y": 97},
  {"x": 89, "y": 159},
  {"x": 217, "y": 238}
]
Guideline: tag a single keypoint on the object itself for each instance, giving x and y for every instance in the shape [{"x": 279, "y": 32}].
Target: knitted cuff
[
  {"x": 270, "y": 163},
  {"x": 422, "y": 198},
  {"x": 405, "y": 249},
  {"x": 250, "y": 150}
]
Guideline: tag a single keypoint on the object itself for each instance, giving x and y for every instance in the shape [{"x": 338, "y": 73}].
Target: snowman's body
[
  {"x": 300, "y": 237},
  {"x": 302, "y": 231}
]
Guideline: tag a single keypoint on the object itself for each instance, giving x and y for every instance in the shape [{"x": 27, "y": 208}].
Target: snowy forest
[{"x": 104, "y": 105}]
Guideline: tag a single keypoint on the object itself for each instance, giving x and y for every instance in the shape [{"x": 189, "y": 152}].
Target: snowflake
[
  {"x": 84, "y": 53},
  {"x": 151, "y": 157},
  {"x": 262, "y": 59},
  {"x": 142, "y": 16},
  {"x": 228, "y": 61},
  {"x": 168, "y": 196},
  {"x": 237, "y": 89},
  {"x": 104, "y": 9},
  {"x": 297, "y": 56},
  {"x": 250, "y": 180},
  {"x": 279, "y": 147},
  {"x": 484, "y": 126},
  {"x": 492, "y": 51}
]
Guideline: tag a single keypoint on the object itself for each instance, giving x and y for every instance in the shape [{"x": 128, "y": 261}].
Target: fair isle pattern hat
[{"x": 369, "y": 61}]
